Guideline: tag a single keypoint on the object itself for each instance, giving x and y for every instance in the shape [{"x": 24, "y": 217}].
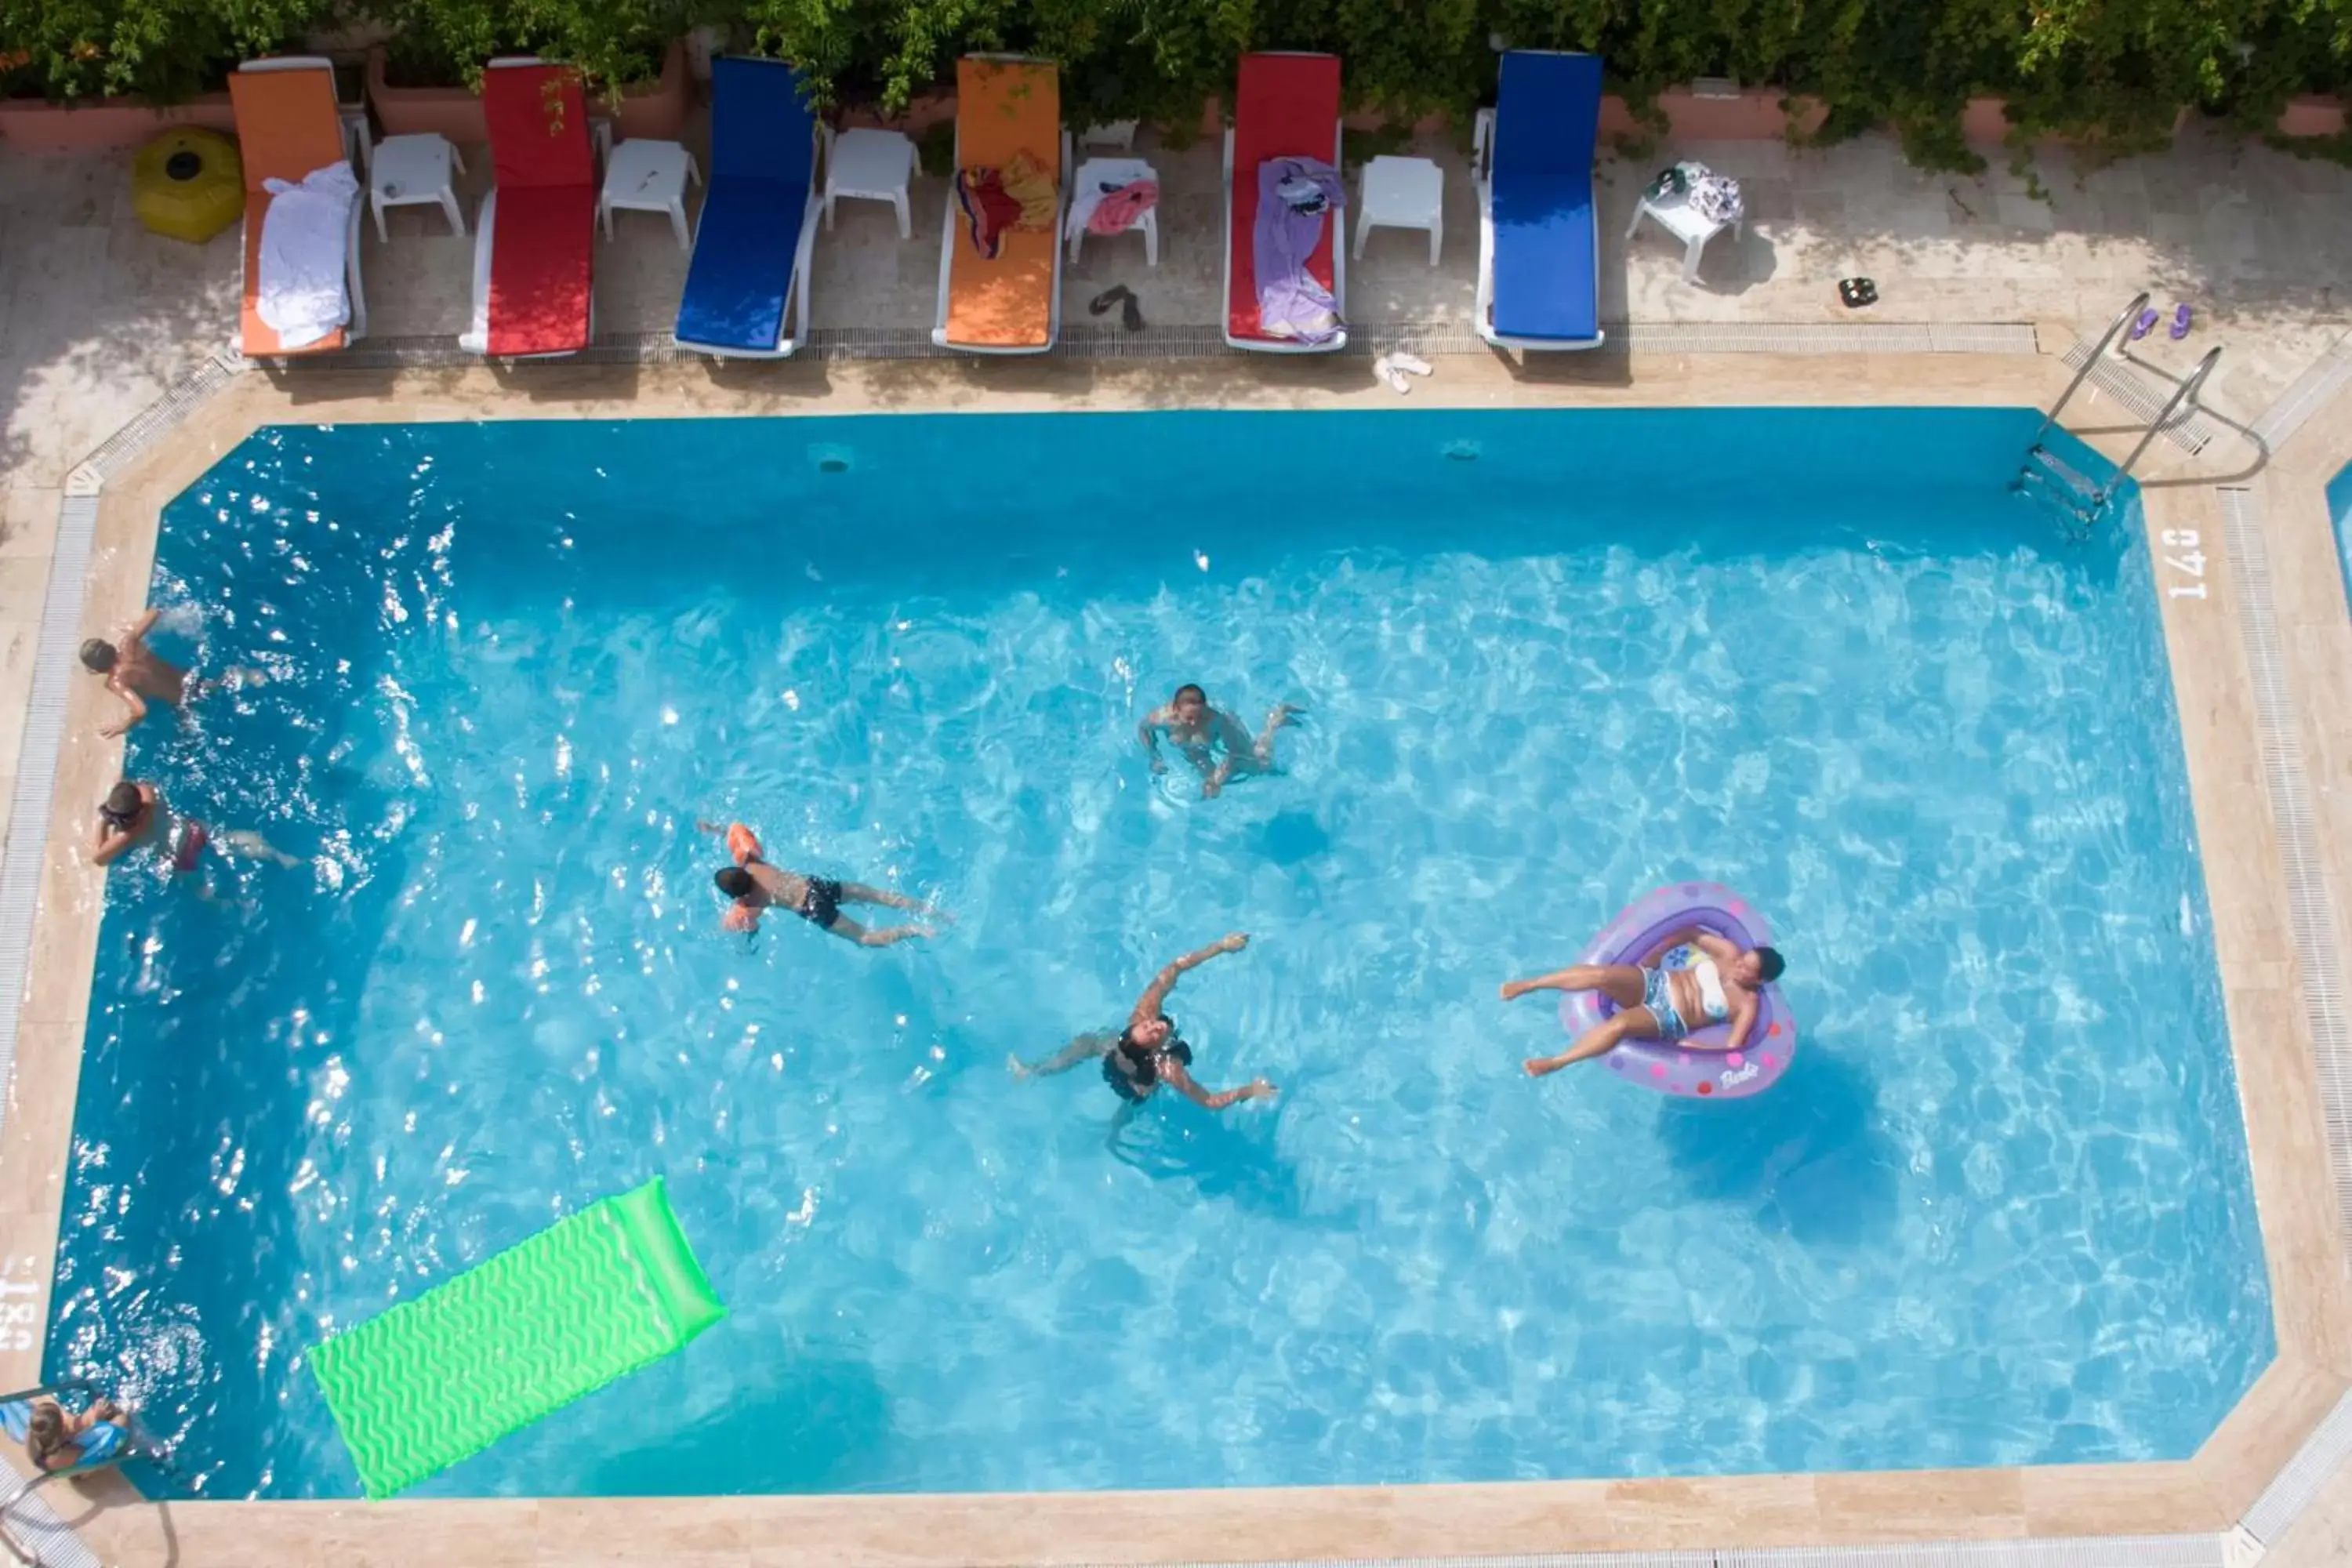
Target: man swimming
[
  {"x": 133, "y": 813},
  {"x": 1723, "y": 986},
  {"x": 755, "y": 885},
  {"x": 1211, "y": 741},
  {"x": 1148, "y": 1053},
  {"x": 136, "y": 672}
]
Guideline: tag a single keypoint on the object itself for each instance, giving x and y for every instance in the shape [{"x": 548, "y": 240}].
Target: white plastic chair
[{"x": 1113, "y": 172}]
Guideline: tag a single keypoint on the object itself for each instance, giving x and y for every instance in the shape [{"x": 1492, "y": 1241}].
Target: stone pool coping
[{"x": 2252, "y": 664}]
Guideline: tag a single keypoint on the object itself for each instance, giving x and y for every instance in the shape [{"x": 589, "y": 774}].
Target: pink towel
[{"x": 1119, "y": 210}]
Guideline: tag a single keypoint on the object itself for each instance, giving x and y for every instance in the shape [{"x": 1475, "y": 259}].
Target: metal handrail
[
  {"x": 2130, "y": 314},
  {"x": 2182, "y": 394}
]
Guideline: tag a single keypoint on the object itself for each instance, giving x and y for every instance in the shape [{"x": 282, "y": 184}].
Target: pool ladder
[{"x": 2079, "y": 498}]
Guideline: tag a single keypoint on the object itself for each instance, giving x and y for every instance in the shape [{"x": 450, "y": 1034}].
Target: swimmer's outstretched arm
[
  {"x": 137, "y": 630},
  {"x": 1149, "y": 733},
  {"x": 1084, "y": 1048},
  {"x": 1172, "y": 1072},
  {"x": 1147, "y": 1004}
]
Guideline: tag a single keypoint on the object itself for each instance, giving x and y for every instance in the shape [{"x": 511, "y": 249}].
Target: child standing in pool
[{"x": 1211, "y": 739}]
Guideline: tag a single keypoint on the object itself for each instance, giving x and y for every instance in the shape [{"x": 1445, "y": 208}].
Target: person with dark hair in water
[
  {"x": 754, "y": 885},
  {"x": 136, "y": 672},
  {"x": 133, "y": 813},
  {"x": 1148, "y": 1052},
  {"x": 1722, "y": 987},
  {"x": 1212, "y": 740}
]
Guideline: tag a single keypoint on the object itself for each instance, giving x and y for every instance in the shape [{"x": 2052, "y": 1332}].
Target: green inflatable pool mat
[{"x": 588, "y": 1300}]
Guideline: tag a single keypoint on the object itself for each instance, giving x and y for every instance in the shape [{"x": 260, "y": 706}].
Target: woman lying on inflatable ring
[{"x": 1661, "y": 1003}]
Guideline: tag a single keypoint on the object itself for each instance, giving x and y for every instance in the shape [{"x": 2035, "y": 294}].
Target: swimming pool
[
  {"x": 1552, "y": 658},
  {"x": 2339, "y": 507}
]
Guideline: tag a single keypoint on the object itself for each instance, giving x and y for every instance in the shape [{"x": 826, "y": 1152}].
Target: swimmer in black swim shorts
[
  {"x": 754, "y": 885},
  {"x": 1148, "y": 1053}
]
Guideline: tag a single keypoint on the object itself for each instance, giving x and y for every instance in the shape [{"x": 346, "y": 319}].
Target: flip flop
[
  {"x": 2180, "y": 322},
  {"x": 1413, "y": 363},
  {"x": 1385, "y": 368},
  {"x": 1114, "y": 294},
  {"x": 1130, "y": 313},
  {"x": 1857, "y": 292},
  {"x": 2145, "y": 325}
]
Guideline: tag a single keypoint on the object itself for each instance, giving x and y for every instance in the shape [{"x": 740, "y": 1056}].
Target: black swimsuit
[
  {"x": 821, "y": 905},
  {"x": 1143, "y": 1071}
]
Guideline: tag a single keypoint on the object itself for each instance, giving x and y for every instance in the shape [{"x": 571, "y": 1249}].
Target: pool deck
[{"x": 100, "y": 322}]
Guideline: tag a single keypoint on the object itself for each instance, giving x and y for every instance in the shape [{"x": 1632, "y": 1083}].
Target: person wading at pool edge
[
  {"x": 1723, "y": 986},
  {"x": 1148, "y": 1053},
  {"x": 755, "y": 885},
  {"x": 1202, "y": 732},
  {"x": 135, "y": 672},
  {"x": 133, "y": 813}
]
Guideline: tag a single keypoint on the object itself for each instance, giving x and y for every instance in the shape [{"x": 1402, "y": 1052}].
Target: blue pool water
[
  {"x": 2339, "y": 507},
  {"x": 1999, "y": 1211}
]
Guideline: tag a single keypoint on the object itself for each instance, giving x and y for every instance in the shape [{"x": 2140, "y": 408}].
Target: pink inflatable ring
[{"x": 1701, "y": 1065}]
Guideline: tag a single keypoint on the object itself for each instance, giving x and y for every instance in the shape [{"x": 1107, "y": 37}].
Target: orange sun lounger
[
  {"x": 1001, "y": 258},
  {"x": 287, "y": 127}
]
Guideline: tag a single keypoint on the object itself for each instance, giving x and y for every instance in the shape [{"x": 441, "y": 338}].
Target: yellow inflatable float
[{"x": 188, "y": 183}]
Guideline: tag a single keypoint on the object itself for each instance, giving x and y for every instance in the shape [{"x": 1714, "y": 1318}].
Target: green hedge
[{"x": 2117, "y": 70}]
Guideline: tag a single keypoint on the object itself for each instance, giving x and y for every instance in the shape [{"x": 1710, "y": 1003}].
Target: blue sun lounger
[
  {"x": 747, "y": 288},
  {"x": 1538, "y": 236}
]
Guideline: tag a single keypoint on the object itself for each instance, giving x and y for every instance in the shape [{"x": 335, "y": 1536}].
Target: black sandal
[
  {"x": 1857, "y": 292},
  {"x": 1108, "y": 298},
  {"x": 1130, "y": 314}
]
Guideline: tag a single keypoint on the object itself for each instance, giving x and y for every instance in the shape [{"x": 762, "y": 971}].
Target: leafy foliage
[
  {"x": 166, "y": 49},
  {"x": 2115, "y": 71}
]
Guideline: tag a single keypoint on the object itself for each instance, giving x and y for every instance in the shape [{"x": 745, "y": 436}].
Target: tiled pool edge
[
  {"x": 2288, "y": 1491},
  {"x": 2311, "y": 909}
]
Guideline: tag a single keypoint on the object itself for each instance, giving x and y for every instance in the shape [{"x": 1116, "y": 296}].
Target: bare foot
[{"x": 1543, "y": 1067}]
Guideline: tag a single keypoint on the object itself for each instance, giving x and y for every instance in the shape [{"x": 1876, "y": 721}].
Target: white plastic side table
[
  {"x": 407, "y": 170},
  {"x": 644, "y": 175},
  {"x": 1401, "y": 193},
  {"x": 870, "y": 165},
  {"x": 1678, "y": 217}
]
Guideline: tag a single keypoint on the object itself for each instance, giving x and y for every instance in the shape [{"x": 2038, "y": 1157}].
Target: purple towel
[{"x": 1294, "y": 197}]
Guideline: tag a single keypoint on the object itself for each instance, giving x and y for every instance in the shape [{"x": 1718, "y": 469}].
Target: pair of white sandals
[{"x": 1391, "y": 368}]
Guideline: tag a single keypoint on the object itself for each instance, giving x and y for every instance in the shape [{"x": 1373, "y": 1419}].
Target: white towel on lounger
[{"x": 301, "y": 296}]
